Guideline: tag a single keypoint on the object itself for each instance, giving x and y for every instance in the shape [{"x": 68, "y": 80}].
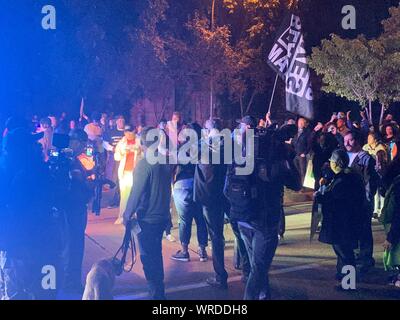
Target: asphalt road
[{"x": 301, "y": 270}]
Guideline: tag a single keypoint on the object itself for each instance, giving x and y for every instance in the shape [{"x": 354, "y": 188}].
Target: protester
[
  {"x": 110, "y": 141},
  {"x": 364, "y": 164},
  {"x": 62, "y": 124},
  {"x": 75, "y": 200},
  {"x": 390, "y": 219},
  {"x": 208, "y": 191},
  {"x": 390, "y": 139},
  {"x": 173, "y": 128},
  {"x": 343, "y": 211},
  {"x": 302, "y": 146},
  {"x": 47, "y": 140},
  {"x": 28, "y": 240},
  {"x": 186, "y": 208},
  {"x": 378, "y": 151},
  {"x": 255, "y": 201},
  {"x": 322, "y": 146},
  {"x": 127, "y": 154},
  {"x": 150, "y": 200}
]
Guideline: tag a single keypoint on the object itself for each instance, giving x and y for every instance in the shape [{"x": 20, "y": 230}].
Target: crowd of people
[{"x": 354, "y": 165}]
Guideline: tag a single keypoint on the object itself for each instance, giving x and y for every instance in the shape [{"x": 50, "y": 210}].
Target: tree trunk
[
  {"x": 250, "y": 102},
  {"x": 382, "y": 113},
  {"x": 241, "y": 106},
  {"x": 370, "y": 112}
]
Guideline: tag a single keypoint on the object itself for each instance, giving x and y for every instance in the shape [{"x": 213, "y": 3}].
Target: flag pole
[
  {"x": 81, "y": 112},
  {"x": 273, "y": 93}
]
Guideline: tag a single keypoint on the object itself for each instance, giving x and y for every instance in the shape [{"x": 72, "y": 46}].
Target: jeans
[
  {"x": 149, "y": 240},
  {"x": 261, "y": 246},
  {"x": 187, "y": 211},
  {"x": 241, "y": 258},
  {"x": 214, "y": 217},
  {"x": 345, "y": 257}
]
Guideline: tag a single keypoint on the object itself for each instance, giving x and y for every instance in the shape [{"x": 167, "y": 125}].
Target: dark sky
[{"x": 42, "y": 71}]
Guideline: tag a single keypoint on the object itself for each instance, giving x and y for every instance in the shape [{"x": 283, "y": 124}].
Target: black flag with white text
[{"x": 288, "y": 58}]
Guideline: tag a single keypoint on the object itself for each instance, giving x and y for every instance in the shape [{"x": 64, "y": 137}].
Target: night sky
[{"x": 45, "y": 71}]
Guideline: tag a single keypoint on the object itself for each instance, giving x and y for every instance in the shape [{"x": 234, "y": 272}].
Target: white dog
[{"x": 100, "y": 280}]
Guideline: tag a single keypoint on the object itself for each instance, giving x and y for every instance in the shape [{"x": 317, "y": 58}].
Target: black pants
[
  {"x": 74, "y": 249},
  {"x": 112, "y": 174},
  {"x": 261, "y": 246},
  {"x": 366, "y": 243},
  {"x": 301, "y": 166},
  {"x": 345, "y": 257},
  {"x": 150, "y": 239},
  {"x": 214, "y": 217}
]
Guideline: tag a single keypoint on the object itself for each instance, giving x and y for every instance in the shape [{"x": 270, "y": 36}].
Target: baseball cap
[{"x": 248, "y": 120}]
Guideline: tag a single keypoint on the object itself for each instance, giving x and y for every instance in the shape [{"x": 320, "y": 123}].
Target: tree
[
  {"x": 231, "y": 55},
  {"x": 359, "y": 69},
  {"x": 390, "y": 40}
]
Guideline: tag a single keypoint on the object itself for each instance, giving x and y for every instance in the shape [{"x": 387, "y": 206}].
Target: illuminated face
[
  {"x": 53, "y": 121},
  {"x": 72, "y": 124},
  {"x": 130, "y": 135},
  {"x": 291, "y": 121},
  {"x": 340, "y": 123},
  {"x": 389, "y": 132},
  {"x": 301, "y": 123},
  {"x": 120, "y": 123},
  {"x": 350, "y": 143},
  {"x": 335, "y": 168},
  {"x": 332, "y": 129},
  {"x": 176, "y": 118},
  {"x": 261, "y": 123},
  {"x": 371, "y": 139},
  {"x": 389, "y": 117}
]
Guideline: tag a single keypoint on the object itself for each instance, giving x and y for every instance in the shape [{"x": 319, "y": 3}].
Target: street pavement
[{"x": 301, "y": 270}]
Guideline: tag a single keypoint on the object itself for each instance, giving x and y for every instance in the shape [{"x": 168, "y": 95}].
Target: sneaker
[
  {"x": 170, "y": 238},
  {"x": 203, "y": 255},
  {"x": 393, "y": 279},
  {"x": 181, "y": 256},
  {"x": 212, "y": 282}
]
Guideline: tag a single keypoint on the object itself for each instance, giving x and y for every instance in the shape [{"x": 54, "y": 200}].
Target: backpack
[{"x": 245, "y": 192}]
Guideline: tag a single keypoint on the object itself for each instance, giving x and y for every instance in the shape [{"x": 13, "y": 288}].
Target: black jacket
[
  {"x": 342, "y": 209},
  {"x": 26, "y": 201},
  {"x": 151, "y": 193},
  {"x": 364, "y": 164},
  {"x": 272, "y": 173},
  {"x": 302, "y": 142},
  {"x": 209, "y": 179}
]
